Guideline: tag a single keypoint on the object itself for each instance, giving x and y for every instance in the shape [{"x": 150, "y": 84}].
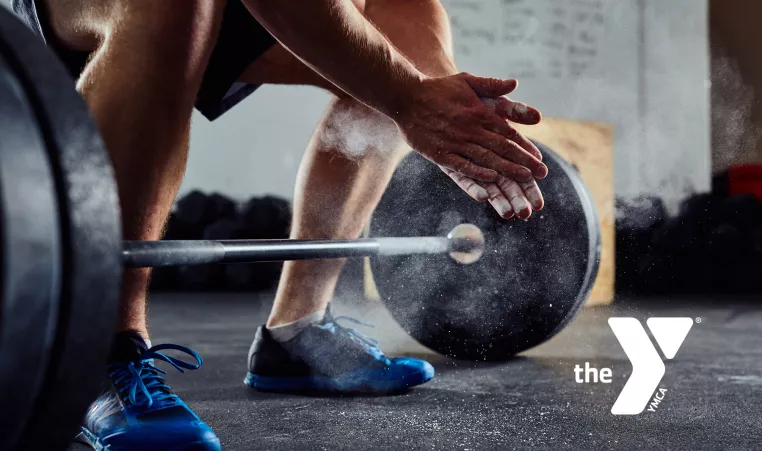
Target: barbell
[
  {"x": 464, "y": 244},
  {"x": 62, "y": 257}
]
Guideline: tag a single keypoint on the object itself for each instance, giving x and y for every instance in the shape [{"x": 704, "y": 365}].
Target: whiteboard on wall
[{"x": 640, "y": 65}]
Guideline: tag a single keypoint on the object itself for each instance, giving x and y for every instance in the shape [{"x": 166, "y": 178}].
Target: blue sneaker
[
  {"x": 330, "y": 358},
  {"x": 139, "y": 411}
]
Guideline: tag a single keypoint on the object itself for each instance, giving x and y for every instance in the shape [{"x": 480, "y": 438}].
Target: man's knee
[
  {"x": 354, "y": 131},
  {"x": 86, "y": 24},
  {"x": 171, "y": 38},
  {"x": 185, "y": 21}
]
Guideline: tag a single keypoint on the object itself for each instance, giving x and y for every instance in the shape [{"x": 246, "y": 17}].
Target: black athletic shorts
[{"x": 242, "y": 40}]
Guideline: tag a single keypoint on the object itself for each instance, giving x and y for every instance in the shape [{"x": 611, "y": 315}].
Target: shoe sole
[
  {"x": 197, "y": 446},
  {"x": 362, "y": 381},
  {"x": 88, "y": 438}
]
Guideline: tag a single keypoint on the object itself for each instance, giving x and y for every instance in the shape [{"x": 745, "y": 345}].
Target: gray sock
[{"x": 289, "y": 331}]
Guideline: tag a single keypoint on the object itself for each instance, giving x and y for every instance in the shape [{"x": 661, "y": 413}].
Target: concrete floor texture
[{"x": 712, "y": 398}]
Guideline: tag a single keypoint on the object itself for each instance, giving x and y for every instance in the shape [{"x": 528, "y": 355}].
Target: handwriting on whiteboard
[{"x": 532, "y": 38}]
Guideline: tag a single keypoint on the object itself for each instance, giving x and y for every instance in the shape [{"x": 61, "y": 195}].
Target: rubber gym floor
[{"x": 712, "y": 399}]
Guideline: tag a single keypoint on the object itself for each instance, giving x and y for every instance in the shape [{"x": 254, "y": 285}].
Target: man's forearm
[{"x": 338, "y": 42}]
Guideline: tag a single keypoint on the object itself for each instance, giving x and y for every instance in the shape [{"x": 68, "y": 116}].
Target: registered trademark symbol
[{"x": 698, "y": 320}]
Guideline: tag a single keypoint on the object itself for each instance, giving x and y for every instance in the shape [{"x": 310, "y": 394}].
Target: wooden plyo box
[{"x": 590, "y": 147}]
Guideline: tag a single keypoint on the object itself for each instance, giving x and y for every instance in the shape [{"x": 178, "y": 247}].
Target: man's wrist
[{"x": 398, "y": 100}]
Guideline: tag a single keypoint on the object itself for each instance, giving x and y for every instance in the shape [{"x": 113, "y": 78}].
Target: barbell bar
[{"x": 464, "y": 244}]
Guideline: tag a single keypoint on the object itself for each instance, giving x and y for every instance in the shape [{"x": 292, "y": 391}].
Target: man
[{"x": 142, "y": 66}]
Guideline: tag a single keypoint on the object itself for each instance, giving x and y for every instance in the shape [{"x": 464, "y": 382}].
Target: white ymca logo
[{"x": 647, "y": 367}]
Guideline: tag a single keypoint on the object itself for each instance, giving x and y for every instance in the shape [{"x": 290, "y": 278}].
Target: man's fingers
[
  {"x": 468, "y": 168},
  {"x": 533, "y": 194},
  {"x": 518, "y": 112},
  {"x": 498, "y": 201},
  {"x": 472, "y": 188},
  {"x": 504, "y": 129},
  {"x": 498, "y": 196},
  {"x": 511, "y": 151},
  {"x": 487, "y": 157},
  {"x": 490, "y": 87},
  {"x": 516, "y": 196}
]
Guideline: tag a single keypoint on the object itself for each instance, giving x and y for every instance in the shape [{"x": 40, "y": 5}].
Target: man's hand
[
  {"x": 447, "y": 122},
  {"x": 517, "y": 162},
  {"x": 508, "y": 197}
]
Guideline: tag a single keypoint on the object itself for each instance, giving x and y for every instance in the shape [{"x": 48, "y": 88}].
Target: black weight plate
[
  {"x": 90, "y": 236},
  {"x": 30, "y": 257},
  {"x": 533, "y": 278}
]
